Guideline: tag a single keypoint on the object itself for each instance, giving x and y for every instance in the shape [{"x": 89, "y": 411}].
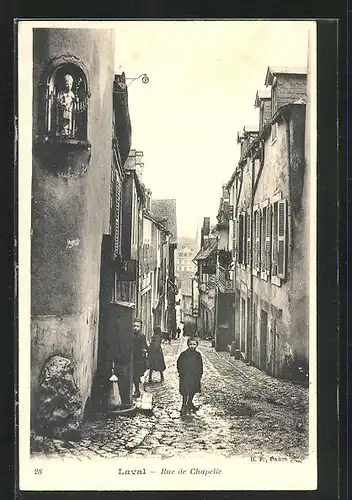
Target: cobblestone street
[{"x": 243, "y": 412}]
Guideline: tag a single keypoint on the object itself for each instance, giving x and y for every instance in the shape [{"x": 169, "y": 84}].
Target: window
[
  {"x": 66, "y": 102},
  {"x": 266, "y": 241},
  {"x": 248, "y": 238},
  {"x": 274, "y": 255},
  {"x": 256, "y": 239},
  {"x": 279, "y": 244},
  {"x": 241, "y": 239},
  {"x": 282, "y": 239},
  {"x": 234, "y": 236}
]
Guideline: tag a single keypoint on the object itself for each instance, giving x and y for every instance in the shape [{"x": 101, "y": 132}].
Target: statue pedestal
[{"x": 63, "y": 156}]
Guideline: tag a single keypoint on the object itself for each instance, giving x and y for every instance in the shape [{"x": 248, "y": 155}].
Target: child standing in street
[{"x": 190, "y": 369}]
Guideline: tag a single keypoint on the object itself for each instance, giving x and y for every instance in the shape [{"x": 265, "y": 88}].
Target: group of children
[{"x": 189, "y": 365}]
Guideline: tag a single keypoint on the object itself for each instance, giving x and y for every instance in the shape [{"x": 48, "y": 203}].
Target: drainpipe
[
  {"x": 250, "y": 357},
  {"x": 289, "y": 217}
]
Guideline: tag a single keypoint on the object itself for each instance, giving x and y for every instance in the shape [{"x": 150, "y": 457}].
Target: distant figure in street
[
  {"x": 190, "y": 369},
  {"x": 140, "y": 350},
  {"x": 155, "y": 355},
  {"x": 167, "y": 337},
  {"x": 178, "y": 331}
]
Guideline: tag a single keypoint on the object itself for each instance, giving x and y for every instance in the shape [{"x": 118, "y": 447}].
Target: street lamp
[{"x": 144, "y": 76}]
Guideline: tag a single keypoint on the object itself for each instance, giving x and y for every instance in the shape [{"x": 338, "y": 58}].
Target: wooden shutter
[
  {"x": 282, "y": 239},
  {"x": 263, "y": 235},
  {"x": 268, "y": 240},
  {"x": 248, "y": 238},
  {"x": 240, "y": 239},
  {"x": 274, "y": 244},
  {"x": 234, "y": 238},
  {"x": 257, "y": 239}
]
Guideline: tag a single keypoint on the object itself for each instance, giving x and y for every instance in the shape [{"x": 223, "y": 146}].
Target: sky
[{"x": 203, "y": 77}]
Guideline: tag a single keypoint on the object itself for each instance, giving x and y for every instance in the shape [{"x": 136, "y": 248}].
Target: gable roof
[
  {"x": 204, "y": 253},
  {"x": 262, "y": 95},
  {"x": 272, "y": 71}
]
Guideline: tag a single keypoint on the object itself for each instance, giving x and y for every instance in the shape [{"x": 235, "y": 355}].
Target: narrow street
[{"x": 243, "y": 413}]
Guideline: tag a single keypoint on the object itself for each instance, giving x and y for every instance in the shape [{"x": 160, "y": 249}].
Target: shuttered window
[
  {"x": 241, "y": 239},
  {"x": 274, "y": 255},
  {"x": 263, "y": 233},
  {"x": 234, "y": 238},
  {"x": 282, "y": 239},
  {"x": 230, "y": 240},
  {"x": 266, "y": 240},
  {"x": 267, "y": 262},
  {"x": 256, "y": 239},
  {"x": 248, "y": 238}
]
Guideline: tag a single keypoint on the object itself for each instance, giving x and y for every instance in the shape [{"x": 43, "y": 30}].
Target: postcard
[{"x": 167, "y": 255}]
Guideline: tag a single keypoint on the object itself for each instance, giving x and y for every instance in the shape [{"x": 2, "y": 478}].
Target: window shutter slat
[
  {"x": 240, "y": 239},
  {"x": 258, "y": 228},
  {"x": 263, "y": 235},
  {"x": 268, "y": 240},
  {"x": 234, "y": 238},
  {"x": 282, "y": 238},
  {"x": 249, "y": 237}
]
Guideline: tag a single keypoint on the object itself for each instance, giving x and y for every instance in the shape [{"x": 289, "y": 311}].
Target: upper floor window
[{"x": 66, "y": 103}]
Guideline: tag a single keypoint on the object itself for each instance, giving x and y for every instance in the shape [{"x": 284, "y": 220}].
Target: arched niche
[{"x": 64, "y": 94}]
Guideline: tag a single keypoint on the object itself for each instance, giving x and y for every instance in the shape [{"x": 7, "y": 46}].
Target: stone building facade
[
  {"x": 73, "y": 75},
  {"x": 268, "y": 232},
  {"x": 98, "y": 257},
  {"x": 206, "y": 274}
]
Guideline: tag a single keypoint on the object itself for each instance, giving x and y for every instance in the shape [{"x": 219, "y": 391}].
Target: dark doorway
[
  {"x": 243, "y": 325},
  {"x": 263, "y": 339},
  {"x": 249, "y": 332}
]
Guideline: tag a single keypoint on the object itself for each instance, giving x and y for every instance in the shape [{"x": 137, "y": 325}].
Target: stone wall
[{"x": 70, "y": 216}]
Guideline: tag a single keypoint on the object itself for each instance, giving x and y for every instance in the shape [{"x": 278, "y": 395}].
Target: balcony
[
  {"x": 126, "y": 269},
  {"x": 225, "y": 280}
]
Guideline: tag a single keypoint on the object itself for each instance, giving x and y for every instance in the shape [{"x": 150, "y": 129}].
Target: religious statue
[{"x": 66, "y": 100}]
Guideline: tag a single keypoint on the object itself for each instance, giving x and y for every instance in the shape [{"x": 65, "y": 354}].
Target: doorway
[
  {"x": 263, "y": 339},
  {"x": 249, "y": 332},
  {"x": 243, "y": 325}
]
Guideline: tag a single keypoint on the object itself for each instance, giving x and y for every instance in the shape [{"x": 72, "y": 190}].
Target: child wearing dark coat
[{"x": 190, "y": 369}]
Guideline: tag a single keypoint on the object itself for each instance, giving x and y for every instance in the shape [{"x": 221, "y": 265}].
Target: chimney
[
  {"x": 263, "y": 102},
  {"x": 206, "y": 226}
]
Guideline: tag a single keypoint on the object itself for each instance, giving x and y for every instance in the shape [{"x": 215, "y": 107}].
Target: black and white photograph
[{"x": 167, "y": 255}]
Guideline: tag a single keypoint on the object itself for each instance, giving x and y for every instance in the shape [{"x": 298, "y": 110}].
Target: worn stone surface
[
  {"x": 59, "y": 402},
  {"x": 243, "y": 412}
]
